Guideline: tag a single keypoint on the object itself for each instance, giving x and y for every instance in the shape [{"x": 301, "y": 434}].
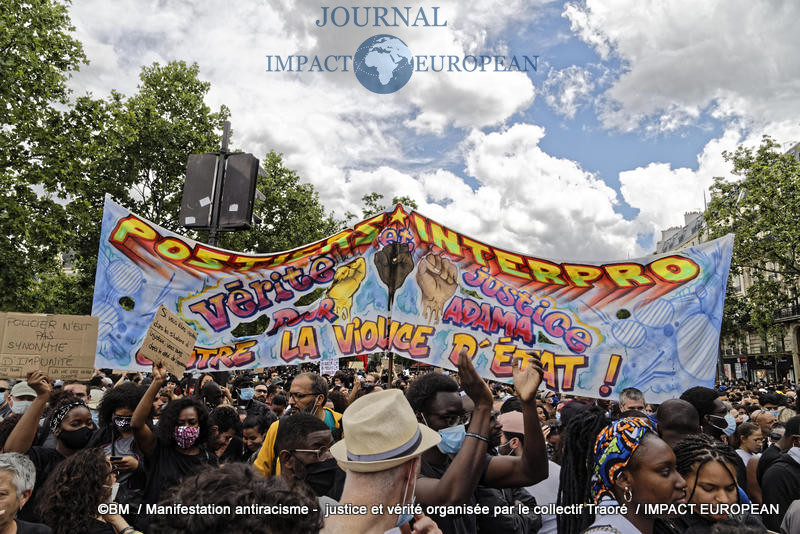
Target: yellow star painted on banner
[{"x": 398, "y": 215}]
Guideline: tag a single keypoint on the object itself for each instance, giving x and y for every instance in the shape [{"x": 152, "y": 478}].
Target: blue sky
[{"x": 615, "y": 137}]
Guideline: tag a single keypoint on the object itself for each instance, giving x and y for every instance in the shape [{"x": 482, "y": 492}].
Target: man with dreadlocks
[
  {"x": 709, "y": 467},
  {"x": 627, "y": 464}
]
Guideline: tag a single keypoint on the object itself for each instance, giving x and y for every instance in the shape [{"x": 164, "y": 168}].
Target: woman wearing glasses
[{"x": 75, "y": 490}]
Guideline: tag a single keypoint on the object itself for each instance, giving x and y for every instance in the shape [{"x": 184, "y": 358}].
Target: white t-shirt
[{"x": 546, "y": 492}]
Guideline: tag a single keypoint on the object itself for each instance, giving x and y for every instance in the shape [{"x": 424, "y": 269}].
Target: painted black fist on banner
[{"x": 394, "y": 263}]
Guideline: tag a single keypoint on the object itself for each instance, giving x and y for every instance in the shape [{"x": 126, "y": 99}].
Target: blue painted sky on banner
[{"x": 617, "y": 134}]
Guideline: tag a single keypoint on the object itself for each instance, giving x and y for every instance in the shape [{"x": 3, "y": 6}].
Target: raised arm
[
  {"x": 461, "y": 478},
  {"x": 531, "y": 467},
  {"x": 21, "y": 438},
  {"x": 144, "y": 437}
]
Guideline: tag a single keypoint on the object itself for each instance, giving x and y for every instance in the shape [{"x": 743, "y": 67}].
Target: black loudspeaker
[
  {"x": 198, "y": 191},
  {"x": 238, "y": 192}
]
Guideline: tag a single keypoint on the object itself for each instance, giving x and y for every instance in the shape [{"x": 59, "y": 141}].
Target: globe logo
[{"x": 383, "y": 64}]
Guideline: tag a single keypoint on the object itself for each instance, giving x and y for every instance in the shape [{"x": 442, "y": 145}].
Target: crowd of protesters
[{"x": 289, "y": 451}]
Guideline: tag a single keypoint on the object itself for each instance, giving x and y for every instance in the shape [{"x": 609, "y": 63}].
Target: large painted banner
[{"x": 401, "y": 282}]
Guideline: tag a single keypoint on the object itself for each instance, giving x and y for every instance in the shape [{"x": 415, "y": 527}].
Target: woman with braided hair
[
  {"x": 611, "y": 463},
  {"x": 71, "y": 424},
  {"x": 709, "y": 467}
]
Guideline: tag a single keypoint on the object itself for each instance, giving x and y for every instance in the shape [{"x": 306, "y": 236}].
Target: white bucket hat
[{"x": 381, "y": 432}]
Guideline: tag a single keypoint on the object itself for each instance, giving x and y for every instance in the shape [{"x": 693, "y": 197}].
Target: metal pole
[{"x": 219, "y": 182}]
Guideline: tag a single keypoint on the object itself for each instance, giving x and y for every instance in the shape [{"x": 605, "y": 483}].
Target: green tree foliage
[
  {"x": 373, "y": 203},
  {"x": 132, "y": 148},
  {"x": 761, "y": 207},
  {"x": 37, "y": 55}
]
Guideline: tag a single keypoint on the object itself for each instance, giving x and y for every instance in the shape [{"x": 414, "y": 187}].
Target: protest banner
[
  {"x": 169, "y": 341},
  {"x": 61, "y": 346},
  {"x": 404, "y": 283}
]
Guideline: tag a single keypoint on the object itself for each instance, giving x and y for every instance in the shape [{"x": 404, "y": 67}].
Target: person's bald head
[{"x": 677, "y": 420}]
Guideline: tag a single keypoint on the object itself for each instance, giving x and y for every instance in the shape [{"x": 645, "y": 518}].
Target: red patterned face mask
[{"x": 185, "y": 436}]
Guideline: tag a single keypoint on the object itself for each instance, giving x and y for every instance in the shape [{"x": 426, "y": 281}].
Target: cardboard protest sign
[
  {"x": 328, "y": 367},
  {"x": 401, "y": 282},
  {"x": 169, "y": 341},
  {"x": 61, "y": 346}
]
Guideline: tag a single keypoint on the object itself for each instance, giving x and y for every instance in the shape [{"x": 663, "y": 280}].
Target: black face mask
[
  {"x": 76, "y": 439},
  {"x": 325, "y": 478}
]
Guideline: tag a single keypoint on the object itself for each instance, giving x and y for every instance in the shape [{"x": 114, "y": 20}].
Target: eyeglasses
[
  {"x": 299, "y": 396},
  {"x": 114, "y": 472},
  {"x": 322, "y": 451}
]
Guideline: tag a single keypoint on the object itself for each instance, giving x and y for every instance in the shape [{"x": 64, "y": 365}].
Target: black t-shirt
[
  {"x": 99, "y": 527},
  {"x": 453, "y": 524},
  {"x": 23, "y": 527},
  {"x": 166, "y": 467},
  {"x": 45, "y": 460},
  {"x": 772, "y": 453}
]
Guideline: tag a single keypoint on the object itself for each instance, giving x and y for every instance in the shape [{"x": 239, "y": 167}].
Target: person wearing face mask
[
  {"x": 71, "y": 424},
  {"x": 544, "y": 492},
  {"x": 22, "y": 396},
  {"x": 453, "y": 469},
  {"x": 115, "y": 437},
  {"x": 514, "y": 522},
  {"x": 303, "y": 445},
  {"x": 781, "y": 481},
  {"x": 717, "y": 421},
  {"x": 381, "y": 454},
  {"x": 177, "y": 446},
  {"x": 307, "y": 394},
  {"x": 245, "y": 394},
  {"x": 74, "y": 491}
]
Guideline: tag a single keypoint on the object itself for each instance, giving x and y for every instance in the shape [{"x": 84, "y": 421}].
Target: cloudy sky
[{"x": 615, "y": 136}]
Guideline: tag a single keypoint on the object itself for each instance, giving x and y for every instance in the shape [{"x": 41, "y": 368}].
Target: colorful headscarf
[
  {"x": 614, "y": 446},
  {"x": 61, "y": 412}
]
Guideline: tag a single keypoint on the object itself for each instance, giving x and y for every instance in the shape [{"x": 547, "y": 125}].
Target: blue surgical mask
[
  {"x": 730, "y": 424},
  {"x": 95, "y": 417},
  {"x": 246, "y": 393},
  {"x": 452, "y": 439},
  {"x": 2, "y": 397},
  {"x": 402, "y": 519},
  {"x": 731, "y": 428},
  {"x": 774, "y": 412}
]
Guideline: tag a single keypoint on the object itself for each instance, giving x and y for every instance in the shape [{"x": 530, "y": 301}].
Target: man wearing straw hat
[{"x": 380, "y": 452}]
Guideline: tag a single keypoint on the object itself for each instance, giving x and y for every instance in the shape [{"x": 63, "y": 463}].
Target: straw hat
[{"x": 381, "y": 432}]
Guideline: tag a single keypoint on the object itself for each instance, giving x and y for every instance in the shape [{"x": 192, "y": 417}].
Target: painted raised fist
[
  {"x": 394, "y": 263},
  {"x": 346, "y": 282},
  {"x": 437, "y": 278}
]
